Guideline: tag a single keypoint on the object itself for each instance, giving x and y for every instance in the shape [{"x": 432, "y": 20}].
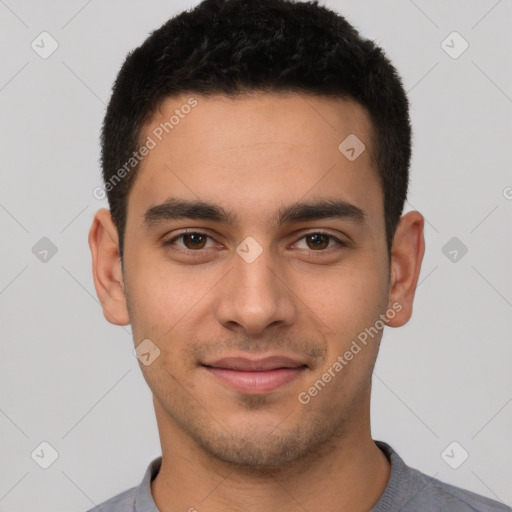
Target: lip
[
  {"x": 255, "y": 365},
  {"x": 255, "y": 376}
]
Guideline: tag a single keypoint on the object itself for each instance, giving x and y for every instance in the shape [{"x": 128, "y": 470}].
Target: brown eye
[
  {"x": 318, "y": 241},
  {"x": 191, "y": 241},
  {"x": 195, "y": 240}
]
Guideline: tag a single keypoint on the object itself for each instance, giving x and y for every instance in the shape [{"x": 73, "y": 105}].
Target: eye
[
  {"x": 193, "y": 240},
  {"x": 318, "y": 241}
]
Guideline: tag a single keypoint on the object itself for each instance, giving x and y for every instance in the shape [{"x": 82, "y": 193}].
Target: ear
[
  {"x": 406, "y": 257},
  {"x": 106, "y": 268}
]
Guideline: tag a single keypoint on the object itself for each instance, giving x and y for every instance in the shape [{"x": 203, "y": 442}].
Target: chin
[{"x": 261, "y": 446}]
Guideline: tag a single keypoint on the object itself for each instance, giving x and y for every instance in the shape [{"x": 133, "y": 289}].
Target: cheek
[
  {"x": 350, "y": 298},
  {"x": 350, "y": 306},
  {"x": 164, "y": 307},
  {"x": 167, "y": 299},
  {"x": 162, "y": 296},
  {"x": 169, "y": 302}
]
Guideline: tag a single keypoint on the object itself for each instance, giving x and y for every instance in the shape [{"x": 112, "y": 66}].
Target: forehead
[
  {"x": 256, "y": 152},
  {"x": 287, "y": 118}
]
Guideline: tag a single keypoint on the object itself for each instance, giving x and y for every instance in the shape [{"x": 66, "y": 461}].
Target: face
[{"x": 258, "y": 296}]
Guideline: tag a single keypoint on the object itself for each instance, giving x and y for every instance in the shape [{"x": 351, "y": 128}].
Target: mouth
[{"x": 255, "y": 376}]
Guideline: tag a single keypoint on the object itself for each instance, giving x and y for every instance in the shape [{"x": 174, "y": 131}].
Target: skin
[{"x": 196, "y": 300}]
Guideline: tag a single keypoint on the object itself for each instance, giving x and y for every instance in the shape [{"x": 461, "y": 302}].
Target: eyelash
[{"x": 170, "y": 242}]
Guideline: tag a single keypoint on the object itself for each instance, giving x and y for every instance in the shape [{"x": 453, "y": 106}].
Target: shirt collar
[
  {"x": 399, "y": 482},
  {"x": 144, "y": 501}
]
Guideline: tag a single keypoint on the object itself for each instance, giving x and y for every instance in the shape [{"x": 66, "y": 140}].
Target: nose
[{"x": 256, "y": 295}]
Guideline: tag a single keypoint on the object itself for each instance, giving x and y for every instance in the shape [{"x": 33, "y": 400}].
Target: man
[{"x": 255, "y": 155}]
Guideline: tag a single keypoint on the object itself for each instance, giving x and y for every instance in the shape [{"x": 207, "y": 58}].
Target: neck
[{"x": 348, "y": 473}]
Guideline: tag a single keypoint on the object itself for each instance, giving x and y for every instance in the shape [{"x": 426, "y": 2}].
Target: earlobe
[
  {"x": 406, "y": 257},
  {"x": 106, "y": 268}
]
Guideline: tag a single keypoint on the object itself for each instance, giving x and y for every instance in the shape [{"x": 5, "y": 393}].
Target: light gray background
[{"x": 69, "y": 378}]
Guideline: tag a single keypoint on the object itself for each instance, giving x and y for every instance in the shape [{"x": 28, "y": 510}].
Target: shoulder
[
  {"x": 136, "y": 498},
  {"x": 122, "y": 502},
  {"x": 410, "y": 490},
  {"x": 434, "y": 494}
]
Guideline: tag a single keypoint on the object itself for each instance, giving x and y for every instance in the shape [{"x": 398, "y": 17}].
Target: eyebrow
[{"x": 177, "y": 208}]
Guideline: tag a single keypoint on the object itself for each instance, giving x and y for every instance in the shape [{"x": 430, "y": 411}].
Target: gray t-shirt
[{"x": 408, "y": 490}]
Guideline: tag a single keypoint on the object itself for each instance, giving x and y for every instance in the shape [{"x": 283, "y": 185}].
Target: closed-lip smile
[{"x": 255, "y": 376}]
